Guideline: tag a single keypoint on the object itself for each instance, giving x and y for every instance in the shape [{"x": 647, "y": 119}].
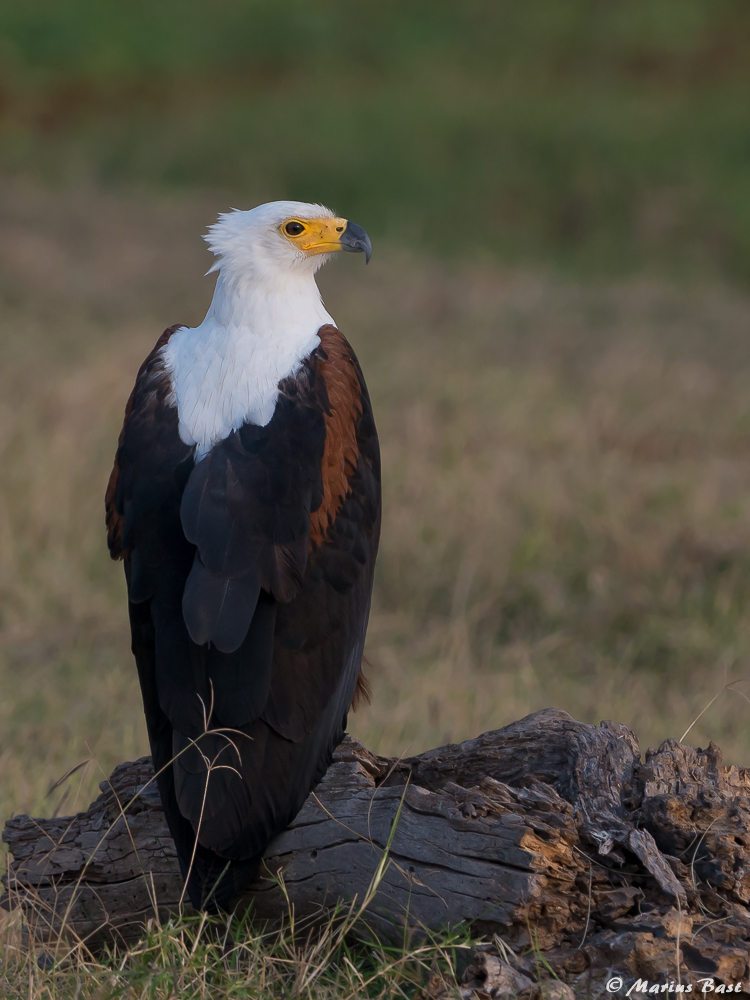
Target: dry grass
[
  {"x": 566, "y": 489},
  {"x": 198, "y": 958}
]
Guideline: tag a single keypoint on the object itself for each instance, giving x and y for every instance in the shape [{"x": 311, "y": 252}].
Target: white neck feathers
[{"x": 226, "y": 372}]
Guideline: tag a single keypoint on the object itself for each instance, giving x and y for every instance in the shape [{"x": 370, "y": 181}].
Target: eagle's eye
[{"x": 294, "y": 228}]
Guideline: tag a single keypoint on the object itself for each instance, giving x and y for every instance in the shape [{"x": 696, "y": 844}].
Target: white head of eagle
[{"x": 263, "y": 319}]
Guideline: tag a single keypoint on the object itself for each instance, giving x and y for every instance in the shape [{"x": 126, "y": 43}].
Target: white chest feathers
[{"x": 226, "y": 372}]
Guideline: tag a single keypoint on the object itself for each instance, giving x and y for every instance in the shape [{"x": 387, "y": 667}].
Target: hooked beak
[{"x": 355, "y": 240}]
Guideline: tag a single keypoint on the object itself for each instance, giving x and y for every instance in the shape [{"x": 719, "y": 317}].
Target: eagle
[{"x": 244, "y": 502}]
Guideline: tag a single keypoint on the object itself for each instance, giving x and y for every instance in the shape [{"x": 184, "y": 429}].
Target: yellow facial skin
[{"x": 316, "y": 235}]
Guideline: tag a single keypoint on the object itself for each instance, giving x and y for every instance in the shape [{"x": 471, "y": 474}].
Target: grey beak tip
[{"x": 356, "y": 240}]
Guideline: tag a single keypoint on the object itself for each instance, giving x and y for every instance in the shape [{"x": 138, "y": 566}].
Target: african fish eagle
[{"x": 245, "y": 504}]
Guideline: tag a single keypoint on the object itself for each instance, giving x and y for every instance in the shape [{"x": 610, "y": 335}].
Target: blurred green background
[
  {"x": 594, "y": 135},
  {"x": 554, "y": 329}
]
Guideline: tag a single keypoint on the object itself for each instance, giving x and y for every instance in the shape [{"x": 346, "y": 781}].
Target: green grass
[
  {"x": 196, "y": 958},
  {"x": 598, "y": 137}
]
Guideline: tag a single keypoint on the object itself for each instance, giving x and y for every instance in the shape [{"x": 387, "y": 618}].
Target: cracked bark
[{"x": 549, "y": 831}]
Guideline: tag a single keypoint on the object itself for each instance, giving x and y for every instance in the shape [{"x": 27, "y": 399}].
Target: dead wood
[{"x": 549, "y": 833}]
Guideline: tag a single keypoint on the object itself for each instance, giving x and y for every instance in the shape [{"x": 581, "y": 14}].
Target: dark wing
[
  {"x": 249, "y": 575},
  {"x": 247, "y": 510},
  {"x": 148, "y": 397}
]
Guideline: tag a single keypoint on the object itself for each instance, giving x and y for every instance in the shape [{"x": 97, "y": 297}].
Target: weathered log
[{"x": 549, "y": 833}]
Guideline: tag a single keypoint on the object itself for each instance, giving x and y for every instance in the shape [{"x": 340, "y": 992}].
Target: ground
[{"x": 566, "y": 471}]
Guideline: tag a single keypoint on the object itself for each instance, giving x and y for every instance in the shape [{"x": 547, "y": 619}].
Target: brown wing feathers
[
  {"x": 113, "y": 517},
  {"x": 343, "y": 382},
  {"x": 346, "y": 389},
  {"x": 267, "y": 547}
]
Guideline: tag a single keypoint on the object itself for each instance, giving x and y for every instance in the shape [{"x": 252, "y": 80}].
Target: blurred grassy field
[
  {"x": 554, "y": 328},
  {"x": 601, "y": 137},
  {"x": 567, "y": 488}
]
